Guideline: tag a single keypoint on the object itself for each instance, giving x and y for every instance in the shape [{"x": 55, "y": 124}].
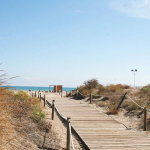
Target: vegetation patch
[
  {"x": 112, "y": 112},
  {"x": 110, "y": 96},
  {"x": 17, "y": 111},
  {"x": 37, "y": 114}
]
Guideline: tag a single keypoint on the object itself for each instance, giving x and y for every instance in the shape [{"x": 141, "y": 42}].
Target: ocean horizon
[{"x": 37, "y": 88}]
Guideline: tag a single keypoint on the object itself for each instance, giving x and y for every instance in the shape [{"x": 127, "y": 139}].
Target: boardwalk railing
[
  {"x": 125, "y": 95},
  {"x": 67, "y": 120},
  {"x": 145, "y": 110}
]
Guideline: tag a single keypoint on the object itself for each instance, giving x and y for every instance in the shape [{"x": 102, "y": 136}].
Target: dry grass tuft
[
  {"x": 112, "y": 112},
  {"x": 45, "y": 126},
  {"x": 98, "y": 89},
  {"x": 15, "y": 109},
  {"x": 5, "y": 125}
]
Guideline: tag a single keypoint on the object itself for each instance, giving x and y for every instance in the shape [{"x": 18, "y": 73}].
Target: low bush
[
  {"x": 45, "y": 126},
  {"x": 119, "y": 88},
  {"x": 92, "y": 83},
  {"x": 98, "y": 89},
  {"x": 10, "y": 92},
  {"x": 101, "y": 89},
  {"x": 81, "y": 87},
  {"x": 37, "y": 114},
  {"x": 100, "y": 104},
  {"x": 21, "y": 95},
  {"x": 112, "y": 112},
  {"x": 85, "y": 92},
  {"x": 132, "y": 107},
  {"x": 22, "y": 105},
  {"x": 110, "y": 88},
  {"x": 126, "y": 86},
  {"x": 6, "y": 127},
  {"x": 146, "y": 89}
]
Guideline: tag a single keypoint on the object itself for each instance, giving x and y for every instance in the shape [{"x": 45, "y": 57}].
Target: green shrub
[
  {"x": 146, "y": 89},
  {"x": 21, "y": 95},
  {"x": 37, "y": 114},
  {"x": 10, "y": 92}
]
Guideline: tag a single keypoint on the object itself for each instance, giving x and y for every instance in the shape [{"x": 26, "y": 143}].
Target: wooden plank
[{"x": 98, "y": 130}]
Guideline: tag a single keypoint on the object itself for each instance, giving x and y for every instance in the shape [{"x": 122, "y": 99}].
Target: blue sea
[{"x": 35, "y": 88}]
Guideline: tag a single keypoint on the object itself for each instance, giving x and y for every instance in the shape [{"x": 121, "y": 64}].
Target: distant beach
[{"x": 35, "y": 88}]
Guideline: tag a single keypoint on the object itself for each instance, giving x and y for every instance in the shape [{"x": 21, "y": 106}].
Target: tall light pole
[{"x": 134, "y": 71}]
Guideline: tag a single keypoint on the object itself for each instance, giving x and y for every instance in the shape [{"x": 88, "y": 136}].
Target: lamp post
[{"x": 134, "y": 71}]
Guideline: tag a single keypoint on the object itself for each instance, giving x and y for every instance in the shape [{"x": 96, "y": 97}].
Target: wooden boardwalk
[{"x": 98, "y": 130}]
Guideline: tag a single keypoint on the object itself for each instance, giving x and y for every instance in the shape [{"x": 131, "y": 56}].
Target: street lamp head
[{"x": 135, "y": 70}]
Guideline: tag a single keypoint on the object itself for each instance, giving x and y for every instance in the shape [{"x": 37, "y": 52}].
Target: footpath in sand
[{"x": 98, "y": 130}]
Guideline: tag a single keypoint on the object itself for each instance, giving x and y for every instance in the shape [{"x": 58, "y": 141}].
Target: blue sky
[{"x": 69, "y": 41}]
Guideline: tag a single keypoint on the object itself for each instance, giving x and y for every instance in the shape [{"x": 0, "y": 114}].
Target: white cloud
[
  {"x": 132, "y": 8},
  {"x": 140, "y": 3}
]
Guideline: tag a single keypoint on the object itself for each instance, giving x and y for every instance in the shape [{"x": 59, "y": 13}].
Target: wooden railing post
[
  {"x": 66, "y": 93},
  {"x": 145, "y": 119},
  {"x": 40, "y": 96},
  {"x": 53, "y": 109},
  {"x": 61, "y": 94},
  {"x": 121, "y": 101},
  {"x": 32, "y": 94},
  {"x": 68, "y": 134},
  {"x": 44, "y": 100},
  {"x": 70, "y": 92},
  {"x": 90, "y": 98},
  {"x": 35, "y": 93}
]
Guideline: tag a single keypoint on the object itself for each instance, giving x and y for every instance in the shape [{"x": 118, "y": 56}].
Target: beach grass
[{"x": 15, "y": 109}]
